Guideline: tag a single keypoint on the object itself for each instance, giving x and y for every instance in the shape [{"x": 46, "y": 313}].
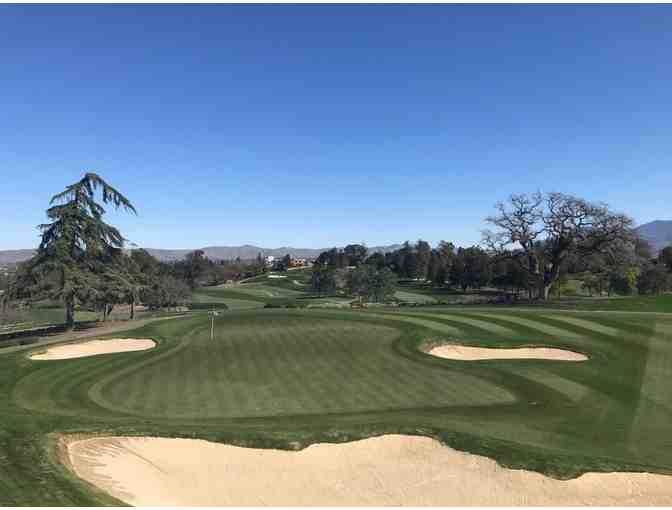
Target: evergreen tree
[{"x": 77, "y": 239}]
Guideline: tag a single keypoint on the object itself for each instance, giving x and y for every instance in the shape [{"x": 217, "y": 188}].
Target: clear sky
[{"x": 314, "y": 126}]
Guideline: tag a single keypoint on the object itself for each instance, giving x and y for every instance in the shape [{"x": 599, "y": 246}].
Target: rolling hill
[
  {"x": 212, "y": 252},
  {"x": 658, "y": 233}
]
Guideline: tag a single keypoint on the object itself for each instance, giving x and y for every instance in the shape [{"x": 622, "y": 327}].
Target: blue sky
[{"x": 315, "y": 126}]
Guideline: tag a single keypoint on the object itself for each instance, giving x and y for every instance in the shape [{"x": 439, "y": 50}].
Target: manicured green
[{"x": 287, "y": 378}]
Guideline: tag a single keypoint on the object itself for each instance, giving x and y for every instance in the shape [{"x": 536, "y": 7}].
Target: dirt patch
[
  {"x": 383, "y": 471},
  {"x": 93, "y": 348},
  {"x": 467, "y": 353}
]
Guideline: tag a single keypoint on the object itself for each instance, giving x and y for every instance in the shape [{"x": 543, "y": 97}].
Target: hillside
[
  {"x": 658, "y": 233},
  {"x": 8, "y": 257},
  {"x": 212, "y": 252}
]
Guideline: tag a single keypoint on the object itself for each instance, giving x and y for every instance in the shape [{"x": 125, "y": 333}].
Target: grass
[
  {"x": 282, "y": 378},
  {"x": 261, "y": 291},
  {"x": 53, "y": 313},
  {"x": 42, "y": 314},
  {"x": 647, "y": 303}
]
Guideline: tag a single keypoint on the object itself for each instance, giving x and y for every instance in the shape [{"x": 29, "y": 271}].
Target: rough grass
[
  {"x": 286, "y": 378},
  {"x": 36, "y": 316},
  {"x": 648, "y": 303}
]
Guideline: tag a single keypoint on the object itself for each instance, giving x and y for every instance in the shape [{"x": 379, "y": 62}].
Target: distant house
[
  {"x": 269, "y": 260},
  {"x": 298, "y": 262}
]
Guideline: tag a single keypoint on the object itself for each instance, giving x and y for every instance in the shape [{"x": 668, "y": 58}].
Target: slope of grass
[
  {"x": 214, "y": 297},
  {"x": 649, "y": 303},
  {"x": 259, "y": 293},
  {"x": 286, "y": 378}
]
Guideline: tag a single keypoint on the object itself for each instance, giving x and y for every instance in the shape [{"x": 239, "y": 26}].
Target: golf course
[
  {"x": 285, "y": 379},
  {"x": 342, "y": 255}
]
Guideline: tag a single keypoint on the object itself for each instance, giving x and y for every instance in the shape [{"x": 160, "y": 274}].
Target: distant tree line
[{"x": 540, "y": 242}]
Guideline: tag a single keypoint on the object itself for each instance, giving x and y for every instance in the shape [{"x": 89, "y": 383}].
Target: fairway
[{"x": 289, "y": 378}]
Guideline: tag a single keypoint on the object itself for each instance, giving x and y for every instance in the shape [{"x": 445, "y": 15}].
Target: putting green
[
  {"x": 288, "y": 378},
  {"x": 288, "y": 366}
]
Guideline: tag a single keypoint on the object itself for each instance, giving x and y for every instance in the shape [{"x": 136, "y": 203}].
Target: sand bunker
[
  {"x": 93, "y": 348},
  {"x": 465, "y": 353},
  {"x": 387, "y": 470}
]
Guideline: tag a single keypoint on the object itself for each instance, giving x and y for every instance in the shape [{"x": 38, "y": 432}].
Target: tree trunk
[
  {"x": 70, "y": 312},
  {"x": 133, "y": 309}
]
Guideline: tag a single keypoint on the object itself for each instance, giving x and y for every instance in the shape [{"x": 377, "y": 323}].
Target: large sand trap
[
  {"x": 465, "y": 353},
  {"x": 387, "y": 470},
  {"x": 94, "y": 347}
]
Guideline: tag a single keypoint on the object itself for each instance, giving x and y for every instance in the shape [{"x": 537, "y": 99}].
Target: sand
[
  {"x": 381, "y": 471},
  {"x": 465, "y": 353},
  {"x": 93, "y": 348}
]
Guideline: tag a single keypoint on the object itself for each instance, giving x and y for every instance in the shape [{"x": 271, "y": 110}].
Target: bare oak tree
[{"x": 542, "y": 231}]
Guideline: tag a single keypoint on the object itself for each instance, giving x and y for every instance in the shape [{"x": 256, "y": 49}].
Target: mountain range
[
  {"x": 658, "y": 233},
  {"x": 245, "y": 252}
]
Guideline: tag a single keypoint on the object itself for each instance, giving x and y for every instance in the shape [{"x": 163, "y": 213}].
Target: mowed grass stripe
[
  {"x": 482, "y": 324},
  {"x": 260, "y": 381},
  {"x": 536, "y": 324},
  {"x": 654, "y": 412},
  {"x": 590, "y": 325},
  {"x": 300, "y": 397},
  {"x": 436, "y": 326},
  {"x": 569, "y": 387}
]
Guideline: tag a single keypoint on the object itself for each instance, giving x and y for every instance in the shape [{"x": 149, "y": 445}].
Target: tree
[
  {"x": 165, "y": 291},
  {"x": 5, "y": 292},
  {"x": 665, "y": 257},
  {"x": 355, "y": 253},
  {"x": 433, "y": 268},
  {"x": 406, "y": 262},
  {"x": 654, "y": 279},
  {"x": 195, "y": 265},
  {"x": 457, "y": 275},
  {"x": 446, "y": 251},
  {"x": 383, "y": 285},
  {"x": 323, "y": 280},
  {"x": 259, "y": 264},
  {"x": 359, "y": 282},
  {"x": 423, "y": 253},
  {"x": 643, "y": 249},
  {"x": 283, "y": 263},
  {"x": 506, "y": 274},
  {"x": 624, "y": 280},
  {"x": 377, "y": 260},
  {"x": 590, "y": 283},
  {"x": 77, "y": 239},
  {"x": 471, "y": 268},
  {"x": 370, "y": 284},
  {"x": 542, "y": 231}
]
